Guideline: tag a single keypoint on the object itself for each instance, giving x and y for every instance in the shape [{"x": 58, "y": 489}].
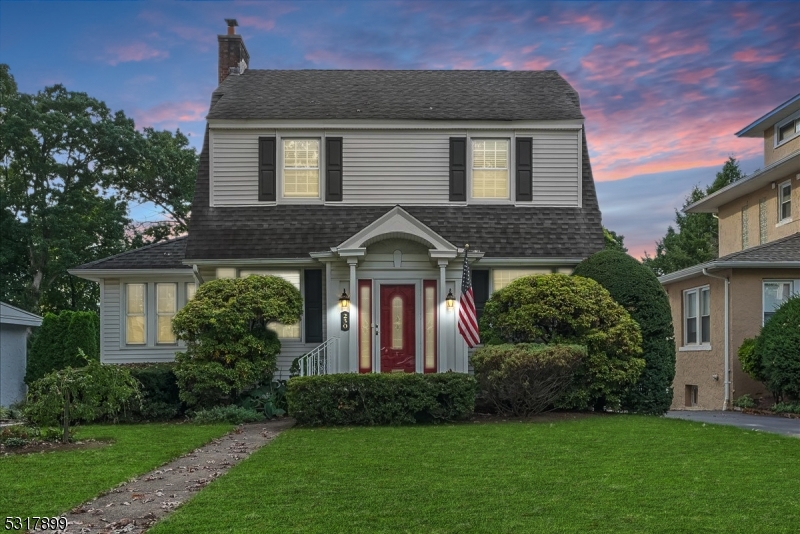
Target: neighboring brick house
[
  {"x": 716, "y": 305},
  {"x": 368, "y": 183}
]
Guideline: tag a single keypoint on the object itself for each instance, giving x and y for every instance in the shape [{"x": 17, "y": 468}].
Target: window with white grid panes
[
  {"x": 166, "y": 307},
  {"x": 502, "y": 277},
  {"x": 301, "y": 168},
  {"x": 490, "y": 177}
]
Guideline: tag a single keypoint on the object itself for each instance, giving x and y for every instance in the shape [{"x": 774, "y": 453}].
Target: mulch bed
[{"x": 53, "y": 446}]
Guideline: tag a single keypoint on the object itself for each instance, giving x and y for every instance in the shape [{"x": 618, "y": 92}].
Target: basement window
[{"x": 690, "y": 398}]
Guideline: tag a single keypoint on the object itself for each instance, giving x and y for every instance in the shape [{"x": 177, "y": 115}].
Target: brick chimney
[{"x": 233, "y": 56}]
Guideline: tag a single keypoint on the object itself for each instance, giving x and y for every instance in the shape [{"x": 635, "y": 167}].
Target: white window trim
[
  {"x": 150, "y": 313},
  {"x": 699, "y": 345},
  {"x": 512, "y": 190},
  {"x": 781, "y": 202},
  {"x": 291, "y": 136},
  {"x": 794, "y": 291},
  {"x": 790, "y": 118}
]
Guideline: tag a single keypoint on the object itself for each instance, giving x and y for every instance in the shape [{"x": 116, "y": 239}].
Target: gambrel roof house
[
  {"x": 368, "y": 183},
  {"x": 717, "y": 305}
]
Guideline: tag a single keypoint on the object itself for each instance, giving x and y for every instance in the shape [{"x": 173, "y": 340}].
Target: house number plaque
[{"x": 345, "y": 321}]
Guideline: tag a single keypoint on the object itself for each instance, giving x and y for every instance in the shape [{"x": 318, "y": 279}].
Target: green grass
[
  {"x": 599, "y": 474},
  {"x": 45, "y": 484}
]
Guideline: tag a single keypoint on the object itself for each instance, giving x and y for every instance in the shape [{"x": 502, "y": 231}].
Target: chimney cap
[{"x": 231, "y": 22}]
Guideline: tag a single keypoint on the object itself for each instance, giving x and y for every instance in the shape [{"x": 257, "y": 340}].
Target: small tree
[
  {"x": 564, "y": 309},
  {"x": 637, "y": 289},
  {"x": 778, "y": 350},
  {"x": 229, "y": 347}
]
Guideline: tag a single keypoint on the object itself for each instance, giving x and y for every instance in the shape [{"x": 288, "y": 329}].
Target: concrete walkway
[
  {"x": 762, "y": 423},
  {"x": 136, "y": 505}
]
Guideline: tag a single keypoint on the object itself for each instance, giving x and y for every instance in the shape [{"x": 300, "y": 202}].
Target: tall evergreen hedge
[
  {"x": 637, "y": 289},
  {"x": 778, "y": 351},
  {"x": 57, "y": 341}
]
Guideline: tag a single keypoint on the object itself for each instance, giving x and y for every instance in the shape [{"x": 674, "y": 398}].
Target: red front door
[{"x": 398, "y": 343}]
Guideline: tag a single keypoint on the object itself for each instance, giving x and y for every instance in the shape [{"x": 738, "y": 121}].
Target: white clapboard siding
[
  {"x": 556, "y": 168},
  {"x": 396, "y": 167}
]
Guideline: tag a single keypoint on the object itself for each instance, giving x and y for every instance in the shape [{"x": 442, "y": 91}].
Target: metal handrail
[{"x": 319, "y": 360}]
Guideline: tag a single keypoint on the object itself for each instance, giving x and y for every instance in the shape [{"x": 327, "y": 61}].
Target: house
[
  {"x": 15, "y": 326},
  {"x": 368, "y": 185},
  {"x": 716, "y": 305}
]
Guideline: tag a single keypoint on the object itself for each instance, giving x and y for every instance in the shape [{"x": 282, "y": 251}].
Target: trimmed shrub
[
  {"x": 562, "y": 309},
  {"x": 380, "y": 399},
  {"x": 746, "y": 402},
  {"x": 95, "y": 392},
  {"x": 56, "y": 343},
  {"x": 747, "y": 358},
  {"x": 229, "y": 348},
  {"x": 786, "y": 407},
  {"x": 526, "y": 379},
  {"x": 778, "y": 350},
  {"x": 636, "y": 288},
  {"x": 160, "y": 395},
  {"x": 235, "y": 415}
]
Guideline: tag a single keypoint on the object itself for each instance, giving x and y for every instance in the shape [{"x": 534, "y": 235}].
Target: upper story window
[
  {"x": 788, "y": 129},
  {"x": 490, "y": 177},
  {"x": 697, "y": 316},
  {"x": 776, "y": 292},
  {"x": 784, "y": 201},
  {"x": 301, "y": 168}
]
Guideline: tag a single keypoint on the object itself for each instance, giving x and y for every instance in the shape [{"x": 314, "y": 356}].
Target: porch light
[
  {"x": 451, "y": 300},
  {"x": 344, "y": 300}
]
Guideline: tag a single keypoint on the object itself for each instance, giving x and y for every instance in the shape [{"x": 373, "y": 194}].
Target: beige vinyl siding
[
  {"x": 396, "y": 167},
  {"x": 556, "y": 168}
]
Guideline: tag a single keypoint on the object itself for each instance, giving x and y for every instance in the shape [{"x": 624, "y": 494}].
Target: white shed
[{"x": 15, "y": 325}]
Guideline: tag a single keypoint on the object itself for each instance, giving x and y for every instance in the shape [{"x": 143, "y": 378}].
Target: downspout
[
  {"x": 727, "y": 337},
  {"x": 197, "y": 278}
]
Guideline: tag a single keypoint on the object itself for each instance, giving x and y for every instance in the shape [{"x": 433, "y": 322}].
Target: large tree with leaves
[{"x": 696, "y": 239}]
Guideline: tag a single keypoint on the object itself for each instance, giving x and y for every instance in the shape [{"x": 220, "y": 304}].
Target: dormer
[{"x": 780, "y": 129}]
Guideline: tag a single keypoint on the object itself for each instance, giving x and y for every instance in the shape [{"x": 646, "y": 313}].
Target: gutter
[
  {"x": 727, "y": 338},
  {"x": 690, "y": 272}
]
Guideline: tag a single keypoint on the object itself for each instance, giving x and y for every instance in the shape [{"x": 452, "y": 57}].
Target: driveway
[{"x": 762, "y": 423}]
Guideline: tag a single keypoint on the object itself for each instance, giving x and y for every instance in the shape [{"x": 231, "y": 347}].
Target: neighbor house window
[
  {"x": 301, "y": 168},
  {"x": 787, "y": 129},
  {"x": 490, "y": 169},
  {"x": 284, "y": 331},
  {"x": 697, "y": 316},
  {"x": 135, "y": 314},
  {"x": 166, "y": 306},
  {"x": 502, "y": 277},
  {"x": 776, "y": 292},
  {"x": 784, "y": 201}
]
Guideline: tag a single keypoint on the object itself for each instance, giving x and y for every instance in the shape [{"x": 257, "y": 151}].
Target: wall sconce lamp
[
  {"x": 344, "y": 300},
  {"x": 451, "y": 300}
]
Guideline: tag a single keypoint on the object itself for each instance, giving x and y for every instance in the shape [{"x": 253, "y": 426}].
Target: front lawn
[
  {"x": 45, "y": 484},
  {"x": 601, "y": 473}
]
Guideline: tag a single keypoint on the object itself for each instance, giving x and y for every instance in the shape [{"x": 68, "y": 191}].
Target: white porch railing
[{"x": 320, "y": 360}]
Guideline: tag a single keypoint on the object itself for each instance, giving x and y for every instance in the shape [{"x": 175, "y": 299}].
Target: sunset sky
[{"x": 664, "y": 85}]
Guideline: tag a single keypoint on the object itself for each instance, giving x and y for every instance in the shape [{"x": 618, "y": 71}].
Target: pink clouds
[
  {"x": 692, "y": 77},
  {"x": 133, "y": 52},
  {"x": 751, "y": 55},
  {"x": 677, "y": 43},
  {"x": 590, "y": 23},
  {"x": 259, "y": 23},
  {"x": 170, "y": 114}
]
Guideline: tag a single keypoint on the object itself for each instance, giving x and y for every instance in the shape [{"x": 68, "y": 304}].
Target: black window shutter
[
  {"x": 266, "y": 168},
  {"x": 458, "y": 168},
  {"x": 524, "y": 168},
  {"x": 333, "y": 169},
  {"x": 480, "y": 290},
  {"x": 312, "y": 279}
]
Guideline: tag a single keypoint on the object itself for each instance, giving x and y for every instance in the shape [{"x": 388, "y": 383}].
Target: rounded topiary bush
[
  {"x": 636, "y": 288},
  {"x": 229, "y": 347},
  {"x": 778, "y": 350},
  {"x": 564, "y": 309}
]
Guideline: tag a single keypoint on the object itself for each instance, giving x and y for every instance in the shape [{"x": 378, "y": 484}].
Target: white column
[
  {"x": 441, "y": 311},
  {"x": 354, "y": 325}
]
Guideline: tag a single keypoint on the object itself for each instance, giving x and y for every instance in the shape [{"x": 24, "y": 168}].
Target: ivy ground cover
[
  {"x": 50, "y": 483},
  {"x": 595, "y": 474}
]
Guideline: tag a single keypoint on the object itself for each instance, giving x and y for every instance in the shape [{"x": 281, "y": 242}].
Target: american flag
[{"x": 467, "y": 317}]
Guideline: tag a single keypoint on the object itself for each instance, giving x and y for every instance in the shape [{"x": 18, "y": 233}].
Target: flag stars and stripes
[{"x": 467, "y": 316}]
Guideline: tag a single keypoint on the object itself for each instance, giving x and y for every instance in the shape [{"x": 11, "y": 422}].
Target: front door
[{"x": 398, "y": 342}]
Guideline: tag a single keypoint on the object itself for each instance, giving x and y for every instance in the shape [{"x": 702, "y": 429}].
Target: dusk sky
[{"x": 664, "y": 86}]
